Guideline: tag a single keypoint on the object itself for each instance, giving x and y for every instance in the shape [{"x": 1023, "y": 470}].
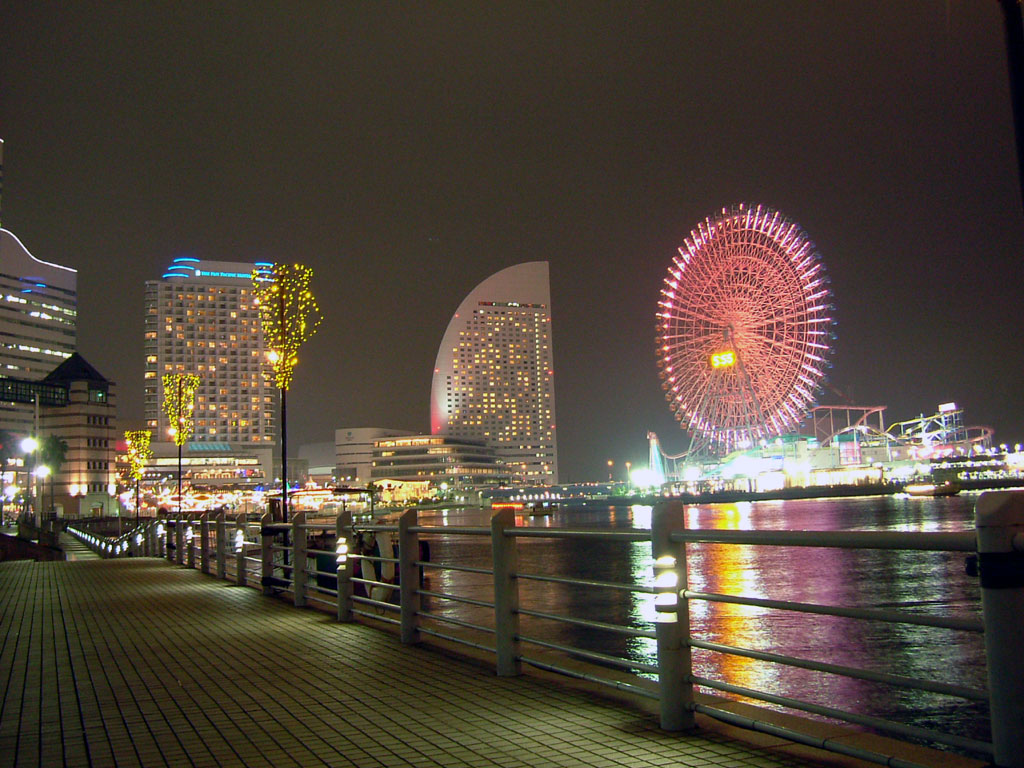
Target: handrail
[
  {"x": 876, "y": 614},
  {"x": 903, "y": 681},
  {"x": 924, "y": 541},
  {"x": 287, "y": 563}
]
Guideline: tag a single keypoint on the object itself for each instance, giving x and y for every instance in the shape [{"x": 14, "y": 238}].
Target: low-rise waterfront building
[
  {"x": 353, "y": 448},
  {"x": 209, "y": 464},
  {"x": 457, "y": 463}
]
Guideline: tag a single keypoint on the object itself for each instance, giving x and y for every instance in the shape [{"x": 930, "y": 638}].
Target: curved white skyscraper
[{"x": 494, "y": 375}]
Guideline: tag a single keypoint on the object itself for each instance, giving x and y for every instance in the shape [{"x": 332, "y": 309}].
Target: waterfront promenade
[{"x": 137, "y": 662}]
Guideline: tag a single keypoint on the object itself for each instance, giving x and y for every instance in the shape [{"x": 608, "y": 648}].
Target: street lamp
[
  {"x": 610, "y": 465},
  {"x": 42, "y": 472}
]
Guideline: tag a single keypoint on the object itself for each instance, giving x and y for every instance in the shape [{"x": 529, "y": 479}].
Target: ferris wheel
[{"x": 743, "y": 328}]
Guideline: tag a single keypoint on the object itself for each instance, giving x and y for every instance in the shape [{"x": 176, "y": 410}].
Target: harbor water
[{"x": 934, "y": 583}]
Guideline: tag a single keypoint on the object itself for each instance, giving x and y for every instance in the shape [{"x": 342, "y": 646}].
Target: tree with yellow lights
[
  {"x": 289, "y": 316},
  {"x": 139, "y": 453},
  {"x": 179, "y": 402}
]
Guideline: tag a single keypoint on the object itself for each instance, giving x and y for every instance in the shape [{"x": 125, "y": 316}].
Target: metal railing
[
  {"x": 315, "y": 562},
  {"x": 671, "y": 552}
]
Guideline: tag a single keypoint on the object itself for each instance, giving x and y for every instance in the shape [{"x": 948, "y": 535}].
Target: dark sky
[{"x": 406, "y": 151}]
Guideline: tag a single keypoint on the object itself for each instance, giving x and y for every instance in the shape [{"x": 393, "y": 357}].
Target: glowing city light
[{"x": 723, "y": 359}]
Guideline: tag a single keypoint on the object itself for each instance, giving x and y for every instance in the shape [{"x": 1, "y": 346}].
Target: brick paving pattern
[{"x": 139, "y": 663}]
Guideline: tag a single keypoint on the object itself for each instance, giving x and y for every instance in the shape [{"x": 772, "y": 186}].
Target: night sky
[{"x": 406, "y": 151}]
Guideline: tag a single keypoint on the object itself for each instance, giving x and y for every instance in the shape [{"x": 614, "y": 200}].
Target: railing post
[
  {"x": 190, "y": 541},
  {"x": 506, "y": 593},
  {"x": 179, "y": 540},
  {"x": 204, "y": 542},
  {"x": 343, "y": 548},
  {"x": 299, "y": 556},
  {"x": 673, "y": 618},
  {"x": 999, "y": 521},
  {"x": 408, "y": 552},
  {"x": 266, "y": 552},
  {"x": 221, "y": 546},
  {"x": 240, "y": 531}
]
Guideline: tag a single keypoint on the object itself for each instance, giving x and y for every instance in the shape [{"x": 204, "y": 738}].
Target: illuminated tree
[
  {"x": 179, "y": 402},
  {"x": 289, "y": 315},
  {"x": 139, "y": 453}
]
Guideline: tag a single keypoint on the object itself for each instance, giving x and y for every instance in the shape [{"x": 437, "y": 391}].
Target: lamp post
[
  {"x": 29, "y": 446},
  {"x": 610, "y": 465},
  {"x": 289, "y": 315}
]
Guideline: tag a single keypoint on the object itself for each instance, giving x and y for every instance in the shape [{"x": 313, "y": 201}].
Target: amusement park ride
[{"x": 744, "y": 332}]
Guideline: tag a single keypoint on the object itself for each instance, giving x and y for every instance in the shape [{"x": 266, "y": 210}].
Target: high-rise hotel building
[
  {"x": 494, "y": 375},
  {"x": 200, "y": 318},
  {"x": 38, "y": 320}
]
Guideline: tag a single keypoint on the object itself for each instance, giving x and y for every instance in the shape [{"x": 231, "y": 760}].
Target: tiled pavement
[{"x": 137, "y": 662}]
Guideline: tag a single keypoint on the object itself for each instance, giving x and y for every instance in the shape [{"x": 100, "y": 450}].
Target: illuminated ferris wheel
[{"x": 744, "y": 328}]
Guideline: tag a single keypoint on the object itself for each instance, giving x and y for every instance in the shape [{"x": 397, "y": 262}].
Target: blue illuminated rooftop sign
[
  {"x": 216, "y": 273},
  {"x": 186, "y": 267}
]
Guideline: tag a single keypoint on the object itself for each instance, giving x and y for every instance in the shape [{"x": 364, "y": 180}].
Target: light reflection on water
[{"x": 911, "y": 581}]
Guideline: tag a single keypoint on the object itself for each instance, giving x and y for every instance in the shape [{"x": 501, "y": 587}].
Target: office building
[
  {"x": 494, "y": 375},
  {"x": 200, "y": 318},
  {"x": 38, "y": 313}
]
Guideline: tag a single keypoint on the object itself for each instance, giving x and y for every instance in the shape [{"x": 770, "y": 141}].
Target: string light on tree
[
  {"x": 179, "y": 402},
  {"x": 139, "y": 453},
  {"x": 289, "y": 316},
  {"x": 179, "y": 397}
]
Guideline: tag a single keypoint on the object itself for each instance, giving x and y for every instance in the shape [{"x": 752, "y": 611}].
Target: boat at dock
[{"x": 947, "y": 488}]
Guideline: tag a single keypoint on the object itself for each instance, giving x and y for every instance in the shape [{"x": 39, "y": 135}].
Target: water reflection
[{"x": 910, "y": 581}]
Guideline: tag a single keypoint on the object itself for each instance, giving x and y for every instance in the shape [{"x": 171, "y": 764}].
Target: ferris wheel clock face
[{"x": 744, "y": 328}]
